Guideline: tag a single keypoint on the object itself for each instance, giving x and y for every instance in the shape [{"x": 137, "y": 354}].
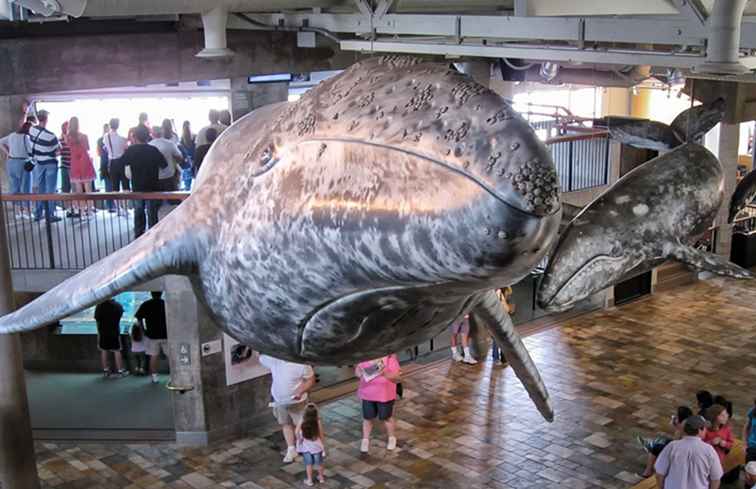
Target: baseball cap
[
  {"x": 696, "y": 423},
  {"x": 750, "y": 468}
]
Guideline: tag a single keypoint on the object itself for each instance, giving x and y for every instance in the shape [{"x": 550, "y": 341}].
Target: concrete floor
[
  {"x": 64, "y": 404},
  {"x": 611, "y": 374}
]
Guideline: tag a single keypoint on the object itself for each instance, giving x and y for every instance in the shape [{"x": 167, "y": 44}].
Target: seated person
[
  {"x": 654, "y": 447},
  {"x": 719, "y": 435},
  {"x": 705, "y": 400}
]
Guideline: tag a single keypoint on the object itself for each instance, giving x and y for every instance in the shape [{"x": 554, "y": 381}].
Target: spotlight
[{"x": 549, "y": 70}]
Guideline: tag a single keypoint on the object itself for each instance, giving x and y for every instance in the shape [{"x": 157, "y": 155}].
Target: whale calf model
[{"x": 358, "y": 221}]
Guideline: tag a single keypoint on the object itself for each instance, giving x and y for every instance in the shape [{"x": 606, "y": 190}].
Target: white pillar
[{"x": 727, "y": 152}]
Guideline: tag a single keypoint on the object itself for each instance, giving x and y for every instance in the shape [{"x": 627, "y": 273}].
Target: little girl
[
  {"x": 137, "y": 348},
  {"x": 310, "y": 443}
]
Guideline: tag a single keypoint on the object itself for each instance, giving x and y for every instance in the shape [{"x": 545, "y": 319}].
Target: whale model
[{"x": 358, "y": 221}]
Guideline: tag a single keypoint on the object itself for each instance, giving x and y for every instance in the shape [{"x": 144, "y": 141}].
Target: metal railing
[
  {"x": 84, "y": 228},
  {"x": 74, "y": 243},
  {"x": 581, "y": 160}
]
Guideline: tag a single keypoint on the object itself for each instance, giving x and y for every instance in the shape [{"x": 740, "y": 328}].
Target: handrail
[
  {"x": 577, "y": 137},
  {"x": 95, "y": 196}
]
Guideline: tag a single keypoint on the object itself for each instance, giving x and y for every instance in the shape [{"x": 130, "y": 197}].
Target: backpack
[{"x": 136, "y": 332}]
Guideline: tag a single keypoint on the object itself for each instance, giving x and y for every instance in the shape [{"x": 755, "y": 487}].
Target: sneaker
[
  {"x": 469, "y": 360},
  {"x": 321, "y": 479},
  {"x": 456, "y": 356},
  {"x": 391, "y": 443},
  {"x": 365, "y": 445},
  {"x": 308, "y": 483},
  {"x": 291, "y": 454},
  {"x": 54, "y": 219},
  {"x": 123, "y": 373},
  {"x": 155, "y": 378},
  {"x": 106, "y": 374}
]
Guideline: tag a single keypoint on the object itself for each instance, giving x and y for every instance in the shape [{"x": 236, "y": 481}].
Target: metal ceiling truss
[{"x": 678, "y": 41}]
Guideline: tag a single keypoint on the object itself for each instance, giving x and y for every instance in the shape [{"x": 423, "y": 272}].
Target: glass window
[{"x": 83, "y": 323}]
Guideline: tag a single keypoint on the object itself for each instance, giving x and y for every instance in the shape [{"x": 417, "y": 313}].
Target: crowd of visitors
[
  {"x": 149, "y": 335},
  {"x": 694, "y": 456},
  {"x": 36, "y": 156}
]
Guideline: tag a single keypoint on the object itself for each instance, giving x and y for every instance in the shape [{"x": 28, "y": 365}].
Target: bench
[{"x": 735, "y": 458}]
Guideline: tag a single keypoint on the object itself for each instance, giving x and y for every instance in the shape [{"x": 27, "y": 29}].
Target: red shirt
[{"x": 725, "y": 433}]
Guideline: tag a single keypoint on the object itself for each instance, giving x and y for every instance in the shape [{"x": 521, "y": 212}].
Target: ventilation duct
[
  {"x": 214, "y": 23},
  {"x": 48, "y": 8},
  {"x": 723, "y": 45}
]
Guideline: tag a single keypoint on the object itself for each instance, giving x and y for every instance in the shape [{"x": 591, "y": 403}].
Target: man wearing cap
[{"x": 689, "y": 463}]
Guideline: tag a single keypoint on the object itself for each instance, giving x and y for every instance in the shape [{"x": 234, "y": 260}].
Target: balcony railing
[
  {"x": 72, "y": 243},
  {"x": 581, "y": 160}
]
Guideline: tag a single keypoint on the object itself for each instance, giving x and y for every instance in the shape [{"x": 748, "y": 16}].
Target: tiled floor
[{"x": 611, "y": 374}]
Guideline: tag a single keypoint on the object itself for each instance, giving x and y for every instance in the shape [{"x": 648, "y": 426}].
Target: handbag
[{"x": 28, "y": 165}]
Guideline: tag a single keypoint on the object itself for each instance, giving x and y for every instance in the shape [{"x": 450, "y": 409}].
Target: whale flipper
[
  {"x": 743, "y": 195},
  {"x": 642, "y": 133},
  {"x": 692, "y": 123},
  {"x": 710, "y": 262},
  {"x": 490, "y": 312},
  {"x": 167, "y": 248}
]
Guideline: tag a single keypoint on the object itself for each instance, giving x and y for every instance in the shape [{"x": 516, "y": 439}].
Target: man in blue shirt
[{"x": 45, "y": 149}]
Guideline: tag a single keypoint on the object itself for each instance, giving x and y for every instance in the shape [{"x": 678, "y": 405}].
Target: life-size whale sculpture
[
  {"x": 358, "y": 221},
  {"x": 652, "y": 214}
]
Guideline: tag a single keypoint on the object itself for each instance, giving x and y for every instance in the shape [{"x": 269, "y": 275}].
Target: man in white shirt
[
  {"x": 689, "y": 463},
  {"x": 172, "y": 154},
  {"x": 214, "y": 117},
  {"x": 115, "y": 145},
  {"x": 291, "y": 382}
]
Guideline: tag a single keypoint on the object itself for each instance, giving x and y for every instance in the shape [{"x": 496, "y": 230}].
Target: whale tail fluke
[
  {"x": 169, "y": 247},
  {"x": 709, "y": 262},
  {"x": 490, "y": 312}
]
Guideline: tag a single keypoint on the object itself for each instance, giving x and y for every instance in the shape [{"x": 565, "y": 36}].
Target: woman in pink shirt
[
  {"x": 719, "y": 435},
  {"x": 378, "y": 379}
]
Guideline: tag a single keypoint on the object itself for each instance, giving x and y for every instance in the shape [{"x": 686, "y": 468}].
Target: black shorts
[
  {"x": 750, "y": 454},
  {"x": 109, "y": 342},
  {"x": 375, "y": 409}
]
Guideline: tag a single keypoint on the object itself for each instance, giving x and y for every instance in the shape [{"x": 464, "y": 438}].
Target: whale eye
[{"x": 265, "y": 161}]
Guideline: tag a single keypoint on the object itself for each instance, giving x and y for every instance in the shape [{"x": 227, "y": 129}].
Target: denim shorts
[{"x": 315, "y": 459}]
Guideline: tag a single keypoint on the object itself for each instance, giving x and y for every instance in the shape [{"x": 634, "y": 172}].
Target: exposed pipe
[
  {"x": 723, "y": 44},
  {"x": 323, "y": 32},
  {"x": 214, "y": 24},
  {"x": 47, "y": 8}
]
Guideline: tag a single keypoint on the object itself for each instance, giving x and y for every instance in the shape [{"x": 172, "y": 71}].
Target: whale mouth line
[
  {"x": 482, "y": 184},
  {"x": 586, "y": 268}
]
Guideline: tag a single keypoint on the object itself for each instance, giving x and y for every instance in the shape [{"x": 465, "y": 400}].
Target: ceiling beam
[
  {"x": 533, "y": 52},
  {"x": 672, "y": 31}
]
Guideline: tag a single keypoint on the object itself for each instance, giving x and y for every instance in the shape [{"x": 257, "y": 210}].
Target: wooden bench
[{"x": 735, "y": 458}]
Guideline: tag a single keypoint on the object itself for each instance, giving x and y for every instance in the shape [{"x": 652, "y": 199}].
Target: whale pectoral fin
[
  {"x": 490, "y": 313},
  {"x": 710, "y": 262},
  {"x": 692, "y": 123},
  {"x": 168, "y": 248},
  {"x": 743, "y": 195},
  {"x": 642, "y": 133}
]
